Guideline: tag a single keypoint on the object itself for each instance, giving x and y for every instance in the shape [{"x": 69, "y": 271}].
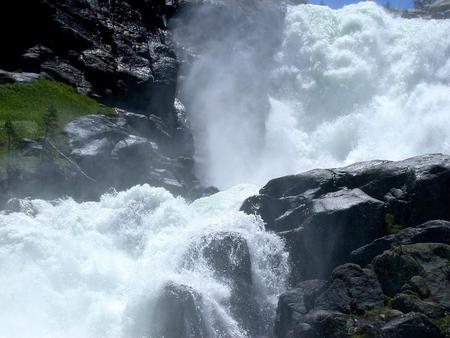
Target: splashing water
[
  {"x": 89, "y": 269},
  {"x": 348, "y": 85}
]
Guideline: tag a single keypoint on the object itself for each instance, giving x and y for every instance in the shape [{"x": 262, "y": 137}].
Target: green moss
[
  {"x": 26, "y": 103},
  {"x": 375, "y": 313},
  {"x": 444, "y": 325},
  {"x": 392, "y": 227}
]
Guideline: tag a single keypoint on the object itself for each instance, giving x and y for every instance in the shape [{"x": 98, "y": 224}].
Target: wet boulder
[
  {"x": 411, "y": 325},
  {"x": 324, "y": 215},
  {"x": 362, "y": 286},
  {"x": 227, "y": 254},
  {"x": 396, "y": 267},
  {"x": 178, "y": 313},
  {"x": 294, "y": 304},
  {"x": 334, "y": 225},
  {"x": 436, "y": 231}
]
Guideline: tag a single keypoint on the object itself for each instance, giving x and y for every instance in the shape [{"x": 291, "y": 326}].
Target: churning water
[
  {"x": 347, "y": 85},
  {"x": 95, "y": 269}
]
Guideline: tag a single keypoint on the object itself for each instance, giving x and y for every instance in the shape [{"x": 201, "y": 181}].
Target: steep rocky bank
[
  {"x": 120, "y": 53},
  {"x": 387, "y": 223}
]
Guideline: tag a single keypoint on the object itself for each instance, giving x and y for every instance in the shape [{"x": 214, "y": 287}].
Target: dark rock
[
  {"x": 329, "y": 324},
  {"x": 362, "y": 286},
  {"x": 394, "y": 270},
  {"x": 119, "y": 51},
  {"x": 411, "y": 325},
  {"x": 228, "y": 256},
  {"x": 410, "y": 303},
  {"x": 437, "y": 231},
  {"x": 318, "y": 246},
  {"x": 294, "y": 304},
  {"x": 324, "y": 215},
  {"x": 396, "y": 267},
  {"x": 334, "y": 298},
  {"x": 178, "y": 313},
  {"x": 60, "y": 70}
]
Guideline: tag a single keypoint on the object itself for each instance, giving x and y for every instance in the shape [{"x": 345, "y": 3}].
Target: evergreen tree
[
  {"x": 50, "y": 122},
  {"x": 11, "y": 136}
]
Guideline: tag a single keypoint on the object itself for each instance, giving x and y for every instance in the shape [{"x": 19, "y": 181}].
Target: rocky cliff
[
  {"x": 121, "y": 54},
  {"x": 369, "y": 248}
]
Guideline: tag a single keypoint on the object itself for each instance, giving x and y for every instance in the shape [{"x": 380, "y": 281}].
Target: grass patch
[{"x": 26, "y": 103}]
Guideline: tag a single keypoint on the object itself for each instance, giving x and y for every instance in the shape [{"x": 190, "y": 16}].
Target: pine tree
[
  {"x": 50, "y": 122},
  {"x": 11, "y": 136}
]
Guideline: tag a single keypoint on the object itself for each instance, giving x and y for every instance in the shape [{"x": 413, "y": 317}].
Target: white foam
[
  {"x": 94, "y": 269},
  {"x": 348, "y": 85},
  {"x": 356, "y": 84}
]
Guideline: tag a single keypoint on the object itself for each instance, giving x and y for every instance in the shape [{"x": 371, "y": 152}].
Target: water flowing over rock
[{"x": 137, "y": 263}]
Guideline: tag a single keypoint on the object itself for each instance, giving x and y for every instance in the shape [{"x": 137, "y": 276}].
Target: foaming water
[
  {"x": 95, "y": 269},
  {"x": 356, "y": 84},
  {"x": 347, "y": 85}
]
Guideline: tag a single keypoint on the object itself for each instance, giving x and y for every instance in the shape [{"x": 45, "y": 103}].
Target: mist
[
  {"x": 228, "y": 51},
  {"x": 276, "y": 89}
]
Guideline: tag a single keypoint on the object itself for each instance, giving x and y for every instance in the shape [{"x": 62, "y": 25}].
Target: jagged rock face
[
  {"x": 119, "y": 51},
  {"x": 399, "y": 294},
  {"x": 113, "y": 157},
  {"x": 326, "y": 214},
  {"x": 437, "y": 231}
]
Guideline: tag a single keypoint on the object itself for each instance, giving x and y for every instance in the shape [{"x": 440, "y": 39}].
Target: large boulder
[
  {"x": 318, "y": 308},
  {"x": 396, "y": 267},
  {"x": 324, "y": 215},
  {"x": 178, "y": 313},
  {"x": 362, "y": 286},
  {"x": 227, "y": 255},
  {"x": 412, "y": 325},
  {"x": 295, "y": 303},
  {"x": 436, "y": 231}
]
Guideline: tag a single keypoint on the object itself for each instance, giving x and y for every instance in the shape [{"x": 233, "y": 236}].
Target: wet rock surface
[
  {"x": 324, "y": 215},
  {"x": 118, "y": 51},
  {"x": 178, "y": 314},
  {"x": 392, "y": 220},
  {"x": 404, "y": 292}
]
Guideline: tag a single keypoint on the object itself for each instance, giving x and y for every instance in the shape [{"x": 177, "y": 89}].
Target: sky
[{"x": 340, "y": 3}]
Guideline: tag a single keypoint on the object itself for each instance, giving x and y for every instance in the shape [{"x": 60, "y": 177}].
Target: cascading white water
[
  {"x": 348, "y": 85},
  {"x": 94, "y": 269}
]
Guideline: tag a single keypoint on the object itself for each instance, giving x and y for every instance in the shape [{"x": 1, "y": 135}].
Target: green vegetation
[
  {"x": 444, "y": 325},
  {"x": 392, "y": 227},
  {"x": 26, "y": 104}
]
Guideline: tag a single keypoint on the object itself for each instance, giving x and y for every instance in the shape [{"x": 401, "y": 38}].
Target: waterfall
[{"x": 343, "y": 85}]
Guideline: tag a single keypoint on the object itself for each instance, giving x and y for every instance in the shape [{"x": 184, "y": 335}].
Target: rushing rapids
[{"x": 95, "y": 269}]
